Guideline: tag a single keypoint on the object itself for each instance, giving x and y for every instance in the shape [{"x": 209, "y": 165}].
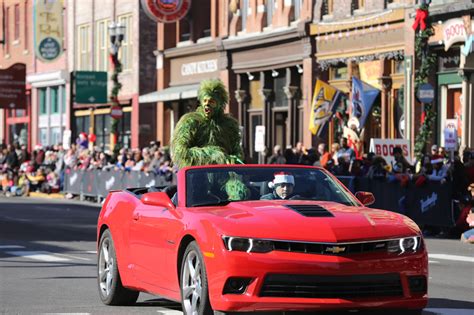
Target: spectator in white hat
[
  {"x": 283, "y": 185},
  {"x": 440, "y": 171}
]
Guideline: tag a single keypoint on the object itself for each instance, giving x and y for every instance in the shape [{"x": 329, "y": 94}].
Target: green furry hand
[{"x": 233, "y": 159}]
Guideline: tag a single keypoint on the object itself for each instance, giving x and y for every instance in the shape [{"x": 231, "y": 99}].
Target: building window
[
  {"x": 184, "y": 30},
  {"x": 244, "y": 11},
  {"x": 327, "y": 7},
  {"x": 270, "y": 6},
  {"x": 102, "y": 46},
  {"x": 42, "y": 101},
  {"x": 205, "y": 16},
  {"x": 357, "y": 5},
  {"x": 298, "y": 4},
  {"x": 7, "y": 31},
  {"x": 53, "y": 99},
  {"x": 84, "y": 49},
  {"x": 43, "y": 136},
  {"x": 16, "y": 32},
  {"x": 26, "y": 22},
  {"x": 125, "y": 52}
]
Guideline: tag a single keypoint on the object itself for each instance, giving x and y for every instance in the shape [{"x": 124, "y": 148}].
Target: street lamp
[{"x": 116, "y": 33}]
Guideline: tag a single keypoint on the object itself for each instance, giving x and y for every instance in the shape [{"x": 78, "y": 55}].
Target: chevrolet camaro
[{"x": 318, "y": 248}]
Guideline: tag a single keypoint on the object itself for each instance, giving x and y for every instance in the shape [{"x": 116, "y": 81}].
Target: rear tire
[
  {"x": 193, "y": 283},
  {"x": 111, "y": 290}
]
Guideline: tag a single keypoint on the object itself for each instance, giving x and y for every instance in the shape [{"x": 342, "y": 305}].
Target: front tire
[
  {"x": 193, "y": 283},
  {"x": 111, "y": 290}
]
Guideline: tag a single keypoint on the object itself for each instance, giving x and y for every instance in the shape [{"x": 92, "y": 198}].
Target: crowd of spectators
[
  {"x": 340, "y": 160},
  {"x": 42, "y": 170}
]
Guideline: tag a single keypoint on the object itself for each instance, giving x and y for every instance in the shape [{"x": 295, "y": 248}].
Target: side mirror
[
  {"x": 367, "y": 198},
  {"x": 159, "y": 199}
]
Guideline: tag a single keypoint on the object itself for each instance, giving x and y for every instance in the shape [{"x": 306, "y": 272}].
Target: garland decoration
[
  {"x": 427, "y": 62},
  {"x": 117, "y": 86}
]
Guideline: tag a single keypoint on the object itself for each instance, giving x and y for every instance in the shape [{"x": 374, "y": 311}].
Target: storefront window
[
  {"x": 338, "y": 73},
  {"x": 82, "y": 125},
  {"x": 102, "y": 131},
  {"x": 43, "y": 136},
  {"x": 19, "y": 133},
  {"x": 448, "y": 62},
  {"x": 55, "y": 135},
  {"x": 256, "y": 101},
  {"x": 280, "y": 96}
]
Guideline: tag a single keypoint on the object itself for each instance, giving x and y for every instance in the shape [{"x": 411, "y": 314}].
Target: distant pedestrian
[{"x": 277, "y": 156}]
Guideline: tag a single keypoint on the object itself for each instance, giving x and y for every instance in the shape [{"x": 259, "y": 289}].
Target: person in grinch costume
[{"x": 210, "y": 136}]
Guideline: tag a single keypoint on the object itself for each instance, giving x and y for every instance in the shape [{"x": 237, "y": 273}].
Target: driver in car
[{"x": 282, "y": 185}]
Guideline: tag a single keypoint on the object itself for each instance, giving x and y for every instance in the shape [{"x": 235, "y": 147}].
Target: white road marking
[
  {"x": 433, "y": 262},
  {"x": 452, "y": 257},
  {"x": 73, "y": 257},
  {"x": 165, "y": 311},
  {"x": 10, "y": 246},
  {"x": 38, "y": 255},
  {"x": 91, "y": 252}
]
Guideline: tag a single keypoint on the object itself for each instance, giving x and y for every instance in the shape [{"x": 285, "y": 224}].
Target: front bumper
[{"x": 261, "y": 268}]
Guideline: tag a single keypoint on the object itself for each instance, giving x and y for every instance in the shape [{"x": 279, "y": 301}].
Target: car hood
[{"x": 275, "y": 220}]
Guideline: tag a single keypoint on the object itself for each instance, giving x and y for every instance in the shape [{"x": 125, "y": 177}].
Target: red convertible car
[{"x": 316, "y": 248}]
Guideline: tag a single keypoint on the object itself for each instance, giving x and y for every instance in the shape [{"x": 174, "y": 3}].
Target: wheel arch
[{"x": 185, "y": 241}]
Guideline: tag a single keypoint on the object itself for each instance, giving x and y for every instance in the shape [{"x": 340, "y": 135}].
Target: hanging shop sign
[
  {"x": 455, "y": 31},
  {"x": 49, "y": 31},
  {"x": 166, "y": 11},
  {"x": 12, "y": 87}
]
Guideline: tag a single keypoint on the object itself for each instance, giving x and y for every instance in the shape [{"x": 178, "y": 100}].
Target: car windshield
[{"x": 219, "y": 186}]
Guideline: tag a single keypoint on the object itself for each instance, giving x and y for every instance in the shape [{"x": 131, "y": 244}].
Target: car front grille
[
  {"x": 315, "y": 286},
  {"x": 332, "y": 249}
]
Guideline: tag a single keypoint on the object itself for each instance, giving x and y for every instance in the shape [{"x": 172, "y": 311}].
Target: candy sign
[{"x": 450, "y": 135}]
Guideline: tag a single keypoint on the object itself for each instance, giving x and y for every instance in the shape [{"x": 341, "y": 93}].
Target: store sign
[
  {"x": 166, "y": 11},
  {"x": 90, "y": 87},
  {"x": 13, "y": 87},
  {"x": 49, "y": 33},
  {"x": 450, "y": 135},
  {"x": 453, "y": 32},
  {"x": 384, "y": 148},
  {"x": 205, "y": 66}
]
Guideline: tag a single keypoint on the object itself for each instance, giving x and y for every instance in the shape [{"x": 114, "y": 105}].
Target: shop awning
[{"x": 172, "y": 93}]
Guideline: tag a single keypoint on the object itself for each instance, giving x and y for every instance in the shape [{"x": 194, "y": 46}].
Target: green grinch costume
[{"x": 209, "y": 136}]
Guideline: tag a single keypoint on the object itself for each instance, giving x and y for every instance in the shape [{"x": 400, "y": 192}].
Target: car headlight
[
  {"x": 249, "y": 245},
  {"x": 404, "y": 245}
]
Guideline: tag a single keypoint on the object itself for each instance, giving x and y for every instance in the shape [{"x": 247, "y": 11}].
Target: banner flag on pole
[
  {"x": 363, "y": 97},
  {"x": 322, "y": 108}
]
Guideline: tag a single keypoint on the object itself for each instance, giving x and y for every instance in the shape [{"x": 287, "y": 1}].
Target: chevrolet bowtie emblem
[{"x": 335, "y": 249}]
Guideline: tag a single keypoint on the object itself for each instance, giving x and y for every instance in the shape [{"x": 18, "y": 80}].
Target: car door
[
  {"x": 147, "y": 243},
  {"x": 154, "y": 244}
]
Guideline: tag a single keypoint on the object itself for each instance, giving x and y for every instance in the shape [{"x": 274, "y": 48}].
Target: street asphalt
[{"x": 48, "y": 264}]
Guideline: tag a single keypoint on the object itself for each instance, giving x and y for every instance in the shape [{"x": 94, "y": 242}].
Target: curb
[{"x": 46, "y": 196}]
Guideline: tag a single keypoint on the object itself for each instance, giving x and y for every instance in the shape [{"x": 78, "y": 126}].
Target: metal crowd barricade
[
  {"x": 429, "y": 204},
  {"x": 98, "y": 183}
]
